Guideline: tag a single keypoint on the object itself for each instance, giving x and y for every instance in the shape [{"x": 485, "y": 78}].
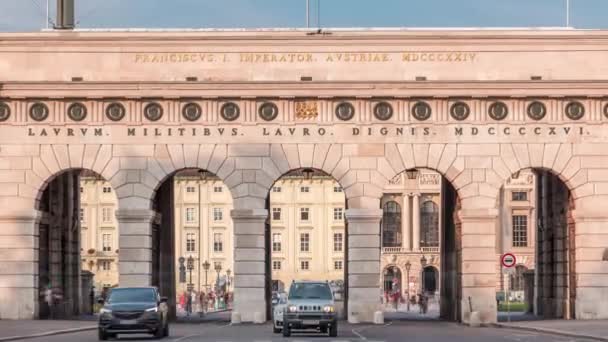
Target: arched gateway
[{"x": 362, "y": 106}]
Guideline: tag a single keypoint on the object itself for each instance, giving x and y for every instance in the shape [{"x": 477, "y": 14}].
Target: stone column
[
  {"x": 416, "y": 222},
  {"x": 135, "y": 246},
  {"x": 478, "y": 265},
  {"x": 249, "y": 265},
  {"x": 19, "y": 291},
  {"x": 406, "y": 227},
  {"x": 363, "y": 264}
]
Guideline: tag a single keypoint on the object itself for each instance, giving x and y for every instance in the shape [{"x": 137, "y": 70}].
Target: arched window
[
  {"x": 392, "y": 279},
  {"x": 429, "y": 224},
  {"x": 391, "y": 224},
  {"x": 517, "y": 279}
]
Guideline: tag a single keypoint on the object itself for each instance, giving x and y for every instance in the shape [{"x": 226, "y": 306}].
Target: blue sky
[{"x": 29, "y": 15}]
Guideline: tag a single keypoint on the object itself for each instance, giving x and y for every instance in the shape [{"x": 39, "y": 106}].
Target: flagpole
[
  {"x": 307, "y": 13},
  {"x": 567, "y": 13},
  {"x": 47, "y": 15}
]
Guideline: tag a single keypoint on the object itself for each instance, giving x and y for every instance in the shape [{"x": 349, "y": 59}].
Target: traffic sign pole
[{"x": 507, "y": 260}]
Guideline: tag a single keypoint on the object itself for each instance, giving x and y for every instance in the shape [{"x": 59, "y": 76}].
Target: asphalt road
[{"x": 416, "y": 331}]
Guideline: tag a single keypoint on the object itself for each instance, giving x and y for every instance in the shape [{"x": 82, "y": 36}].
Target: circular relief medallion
[
  {"x": 575, "y": 110},
  {"x": 383, "y": 111},
  {"x": 77, "y": 111},
  {"x": 153, "y": 111},
  {"x": 345, "y": 111},
  {"x": 537, "y": 110},
  {"x": 5, "y": 111},
  {"x": 460, "y": 111},
  {"x": 421, "y": 111},
  {"x": 268, "y": 111},
  {"x": 498, "y": 110},
  {"x": 192, "y": 111},
  {"x": 230, "y": 111},
  {"x": 115, "y": 111},
  {"x": 39, "y": 111}
]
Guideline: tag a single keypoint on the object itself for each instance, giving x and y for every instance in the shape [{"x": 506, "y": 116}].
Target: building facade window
[
  {"x": 519, "y": 196},
  {"x": 106, "y": 215},
  {"x": 276, "y": 214},
  {"x": 304, "y": 214},
  {"x": 520, "y": 230},
  {"x": 304, "y": 265},
  {"x": 304, "y": 189},
  {"x": 190, "y": 242},
  {"x": 276, "y": 242},
  {"x": 106, "y": 242},
  {"x": 218, "y": 243},
  {"x": 218, "y": 189},
  {"x": 304, "y": 242},
  {"x": 190, "y": 215},
  {"x": 276, "y": 265},
  {"x": 338, "y": 265},
  {"x": 338, "y": 189},
  {"x": 276, "y": 189},
  {"x": 81, "y": 189},
  {"x": 190, "y": 189},
  {"x": 338, "y": 242},
  {"x": 338, "y": 214},
  {"x": 391, "y": 224},
  {"x": 218, "y": 214},
  {"x": 81, "y": 214},
  {"x": 105, "y": 265},
  {"x": 429, "y": 220},
  {"x": 107, "y": 189}
]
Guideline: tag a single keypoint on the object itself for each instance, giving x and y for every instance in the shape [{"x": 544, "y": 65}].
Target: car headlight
[
  {"x": 104, "y": 311},
  {"x": 292, "y": 308},
  {"x": 328, "y": 309},
  {"x": 154, "y": 309}
]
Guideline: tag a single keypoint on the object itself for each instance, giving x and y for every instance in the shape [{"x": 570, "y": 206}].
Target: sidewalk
[
  {"x": 590, "y": 329},
  {"x": 17, "y": 330}
]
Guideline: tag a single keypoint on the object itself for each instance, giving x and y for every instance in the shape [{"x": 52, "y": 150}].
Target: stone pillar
[
  {"x": 478, "y": 265},
  {"x": 18, "y": 262},
  {"x": 363, "y": 264},
  {"x": 135, "y": 246},
  {"x": 416, "y": 222},
  {"x": 249, "y": 265},
  {"x": 406, "y": 226}
]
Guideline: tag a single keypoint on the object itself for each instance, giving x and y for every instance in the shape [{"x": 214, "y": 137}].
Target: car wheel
[
  {"x": 160, "y": 331},
  {"x": 323, "y": 329},
  {"x": 333, "y": 330},
  {"x": 275, "y": 329},
  {"x": 102, "y": 335},
  {"x": 286, "y": 330}
]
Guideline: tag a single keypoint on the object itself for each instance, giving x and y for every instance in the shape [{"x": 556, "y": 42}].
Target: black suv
[{"x": 133, "y": 310}]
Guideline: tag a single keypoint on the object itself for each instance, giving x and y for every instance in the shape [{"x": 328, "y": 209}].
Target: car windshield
[
  {"x": 309, "y": 291},
  {"x": 132, "y": 296}
]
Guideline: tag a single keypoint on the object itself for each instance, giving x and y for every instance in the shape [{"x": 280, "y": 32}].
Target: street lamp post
[
  {"x": 423, "y": 265},
  {"x": 190, "y": 267},
  {"x": 228, "y": 271},
  {"x": 408, "y": 265},
  {"x": 218, "y": 268},
  {"x": 206, "y": 266}
]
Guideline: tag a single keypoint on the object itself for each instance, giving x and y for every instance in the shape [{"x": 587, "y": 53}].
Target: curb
[
  {"x": 48, "y": 333},
  {"x": 551, "y": 331}
]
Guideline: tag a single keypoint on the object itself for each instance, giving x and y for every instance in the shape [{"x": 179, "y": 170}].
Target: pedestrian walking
[
  {"x": 202, "y": 302},
  {"x": 188, "y": 303}
]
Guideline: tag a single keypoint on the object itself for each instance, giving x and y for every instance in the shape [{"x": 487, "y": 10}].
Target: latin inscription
[{"x": 305, "y": 57}]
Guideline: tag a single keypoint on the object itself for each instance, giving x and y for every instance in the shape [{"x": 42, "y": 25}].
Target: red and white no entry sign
[{"x": 508, "y": 260}]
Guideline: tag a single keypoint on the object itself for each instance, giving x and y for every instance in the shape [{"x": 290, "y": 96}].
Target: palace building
[{"x": 488, "y": 108}]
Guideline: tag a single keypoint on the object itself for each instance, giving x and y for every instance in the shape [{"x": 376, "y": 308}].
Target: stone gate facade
[{"x": 362, "y": 106}]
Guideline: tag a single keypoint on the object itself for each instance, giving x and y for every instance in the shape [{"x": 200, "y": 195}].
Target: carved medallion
[
  {"x": 77, "y": 111},
  {"x": 498, "y": 111},
  {"x": 575, "y": 110},
  {"x": 421, "y": 111},
  {"x": 345, "y": 111},
  {"x": 115, "y": 111},
  {"x": 460, "y": 111},
  {"x": 5, "y": 111},
  {"x": 230, "y": 111},
  {"x": 306, "y": 109},
  {"x": 192, "y": 111},
  {"x": 153, "y": 111},
  {"x": 383, "y": 111},
  {"x": 268, "y": 111},
  {"x": 537, "y": 110},
  {"x": 39, "y": 111}
]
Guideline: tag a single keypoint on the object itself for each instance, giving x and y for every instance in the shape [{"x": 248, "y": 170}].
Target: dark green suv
[{"x": 310, "y": 305}]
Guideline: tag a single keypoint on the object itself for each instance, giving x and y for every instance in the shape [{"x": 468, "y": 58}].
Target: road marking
[
  {"x": 200, "y": 335},
  {"x": 363, "y": 338}
]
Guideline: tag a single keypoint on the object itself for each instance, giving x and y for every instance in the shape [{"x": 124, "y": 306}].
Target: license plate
[
  {"x": 310, "y": 322},
  {"x": 128, "y": 322}
]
